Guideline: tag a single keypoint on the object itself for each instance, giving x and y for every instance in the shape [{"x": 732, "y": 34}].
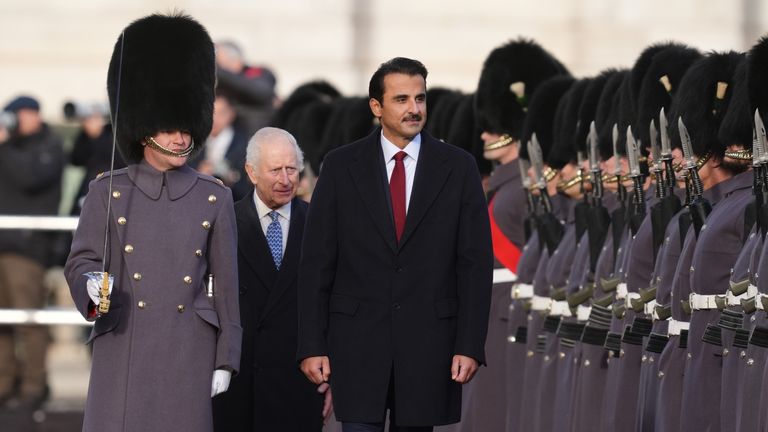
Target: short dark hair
[{"x": 396, "y": 65}]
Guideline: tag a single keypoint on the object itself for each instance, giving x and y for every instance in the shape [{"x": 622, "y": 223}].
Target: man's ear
[
  {"x": 251, "y": 173},
  {"x": 375, "y": 107}
]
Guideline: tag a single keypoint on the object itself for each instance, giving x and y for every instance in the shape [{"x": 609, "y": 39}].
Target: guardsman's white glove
[{"x": 220, "y": 382}]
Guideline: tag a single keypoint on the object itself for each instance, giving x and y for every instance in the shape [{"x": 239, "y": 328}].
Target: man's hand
[
  {"x": 220, "y": 381},
  {"x": 463, "y": 369},
  {"x": 316, "y": 369},
  {"x": 328, "y": 403}
]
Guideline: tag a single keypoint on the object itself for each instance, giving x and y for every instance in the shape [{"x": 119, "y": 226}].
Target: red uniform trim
[{"x": 503, "y": 249}]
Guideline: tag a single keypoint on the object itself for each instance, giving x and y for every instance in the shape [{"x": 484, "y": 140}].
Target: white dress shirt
[
  {"x": 284, "y": 217},
  {"x": 409, "y": 162}
]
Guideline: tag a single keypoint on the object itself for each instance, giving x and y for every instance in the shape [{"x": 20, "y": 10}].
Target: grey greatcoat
[{"x": 154, "y": 353}]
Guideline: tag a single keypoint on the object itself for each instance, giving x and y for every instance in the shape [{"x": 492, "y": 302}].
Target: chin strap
[{"x": 166, "y": 151}]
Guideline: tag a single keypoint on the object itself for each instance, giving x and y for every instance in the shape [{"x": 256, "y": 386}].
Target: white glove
[
  {"x": 220, "y": 382},
  {"x": 93, "y": 285}
]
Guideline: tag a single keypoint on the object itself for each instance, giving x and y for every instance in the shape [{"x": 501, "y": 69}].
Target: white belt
[
  {"x": 621, "y": 291},
  {"x": 758, "y": 302},
  {"x": 539, "y": 303},
  {"x": 628, "y": 299},
  {"x": 501, "y": 275},
  {"x": 675, "y": 326},
  {"x": 582, "y": 312},
  {"x": 650, "y": 308},
  {"x": 521, "y": 291},
  {"x": 735, "y": 300},
  {"x": 702, "y": 301},
  {"x": 559, "y": 308}
]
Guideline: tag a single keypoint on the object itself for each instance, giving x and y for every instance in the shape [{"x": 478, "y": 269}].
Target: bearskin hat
[
  {"x": 607, "y": 112},
  {"x": 162, "y": 76},
  {"x": 588, "y": 107},
  {"x": 736, "y": 127},
  {"x": 300, "y": 97},
  {"x": 564, "y": 150},
  {"x": 757, "y": 68},
  {"x": 541, "y": 114},
  {"x": 702, "y": 100},
  {"x": 510, "y": 75},
  {"x": 659, "y": 86}
]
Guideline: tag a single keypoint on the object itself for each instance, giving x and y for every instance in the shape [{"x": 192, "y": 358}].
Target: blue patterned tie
[{"x": 275, "y": 239}]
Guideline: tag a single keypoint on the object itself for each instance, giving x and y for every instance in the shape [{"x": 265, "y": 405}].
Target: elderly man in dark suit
[
  {"x": 270, "y": 393},
  {"x": 396, "y": 268}
]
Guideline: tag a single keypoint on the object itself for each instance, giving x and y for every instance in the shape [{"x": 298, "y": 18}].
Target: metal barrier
[{"x": 70, "y": 316}]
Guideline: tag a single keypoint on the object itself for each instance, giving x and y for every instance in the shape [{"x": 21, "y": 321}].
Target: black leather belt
[
  {"x": 570, "y": 330},
  {"x": 594, "y": 335},
  {"x": 713, "y": 335},
  {"x": 642, "y": 326},
  {"x": 613, "y": 343},
  {"x": 630, "y": 337},
  {"x": 656, "y": 343},
  {"x": 731, "y": 319}
]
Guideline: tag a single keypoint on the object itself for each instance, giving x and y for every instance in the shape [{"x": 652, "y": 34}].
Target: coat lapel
[
  {"x": 431, "y": 174},
  {"x": 369, "y": 177},
  {"x": 252, "y": 244},
  {"x": 290, "y": 263}
]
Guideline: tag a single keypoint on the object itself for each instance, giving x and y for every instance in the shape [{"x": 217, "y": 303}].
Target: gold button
[
  {"x": 689, "y": 356},
  {"x": 199, "y": 253},
  {"x": 743, "y": 354},
  {"x": 128, "y": 248},
  {"x": 211, "y": 199},
  {"x": 586, "y": 363},
  {"x": 180, "y": 308},
  {"x": 122, "y": 221},
  {"x": 660, "y": 374},
  {"x": 750, "y": 362},
  {"x": 642, "y": 360},
  {"x": 725, "y": 352},
  {"x": 206, "y": 225},
  {"x": 142, "y": 304},
  {"x": 137, "y": 276},
  {"x": 650, "y": 359},
  {"x": 621, "y": 353},
  {"x": 116, "y": 194},
  {"x": 562, "y": 355},
  {"x": 511, "y": 339},
  {"x": 529, "y": 353},
  {"x": 187, "y": 280},
  {"x": 546, "y": 358},
  {"x": 611, "y": 354}
]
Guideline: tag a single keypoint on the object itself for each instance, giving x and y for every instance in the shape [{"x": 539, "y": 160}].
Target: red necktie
[{"x": 397, "y": 193}]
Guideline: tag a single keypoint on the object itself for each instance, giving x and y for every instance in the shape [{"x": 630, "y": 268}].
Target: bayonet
[
  {"x": 633, "y": 156},
  {"x": 621, "y": 191},
  {"x": 523, "y": 165},
  {"x": 656, "y": 168},
  {"x": 537, "y": 162},
  {"x": 594, "y": 165},
  {"x": 699, "y": 207},
  {"x": 666, "y": 153}
]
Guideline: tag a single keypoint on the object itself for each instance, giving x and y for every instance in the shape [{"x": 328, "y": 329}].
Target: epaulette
[
  {"x": 105, "y": 174},
  {"x": 211, "y": 179}
]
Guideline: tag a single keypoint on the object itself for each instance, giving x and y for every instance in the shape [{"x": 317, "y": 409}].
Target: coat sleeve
[
  {"x": 87, "y": 247},
  {"x": 474, "y": 269},
  {"x": 222, "y": 261},
  {"x": 317, "y": 266}
]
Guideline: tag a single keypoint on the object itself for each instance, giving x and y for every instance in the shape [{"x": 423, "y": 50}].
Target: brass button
[
  {"x": 187, "y": 280},
  {"x": 180, "y": 308},
  {"x": 743, "y": 354},
  {"x": 725, "y": 352},
  {"x": 115, "y": 194},
  {"x": 206, "y": 225},
  {"x": 650, "y": 359},
  {"x": 122, "y": 221},
  {"x": 586, "y": 363},
  {"x": 546, "y": 358},
  {"x": 142, "y": 304},
  {"x": 621, "y": 353},
  {"x": 511, "y": 339},
  {"x": 211, "y": 199},
  {"x": 529, "y": 353},
  {"x": 660, "y": 374},
  {"x": 137, "y": 276},
  {"x": 750, "y": 362},
  {"x": 128, "y": 248},
  {"x": 642, "y": 360},
  {"x": 199, "y": 253},
  {"x": 689, "y": 356},
  {"x": 562, "y": 355}
]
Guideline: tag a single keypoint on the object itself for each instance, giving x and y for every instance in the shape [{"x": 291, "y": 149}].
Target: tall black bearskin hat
[
  {"x": 757, "y": 68},
  {"x": 301, "y": 96},
  {"x": 510, "y": 75},
  {"x": 463, "y": 132},
  {"x": 736, "y": 127},
  {"x": 702, "y": 100},
  {"x": 435, "y": 97},
  {"x": 564, "y": 150},
  {"x": 162, "y": 76},
  {"x": 588, "y": 108},
  {"x": 608, "y": 112},
  {"x": 350, "y": 119},
  {"x": 440, "y": 114},
  {"x": 660, "y": 85},
  {"x": 638, "y": 71},
  {"x": 541, "y": 114}
]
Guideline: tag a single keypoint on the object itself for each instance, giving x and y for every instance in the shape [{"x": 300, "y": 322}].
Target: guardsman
[
  {"x": 510, "y": 76},
  {"x": 171, "y": 337}
]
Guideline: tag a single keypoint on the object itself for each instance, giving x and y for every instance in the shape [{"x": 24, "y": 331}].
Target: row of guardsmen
[{"x": 632, "y": 207}]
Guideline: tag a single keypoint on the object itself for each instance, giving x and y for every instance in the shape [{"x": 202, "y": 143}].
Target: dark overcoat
[
  {"x": 379, "y": 307},
  {"x": 270, "y": 393},
  {"x": 154, "y": 353}
]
